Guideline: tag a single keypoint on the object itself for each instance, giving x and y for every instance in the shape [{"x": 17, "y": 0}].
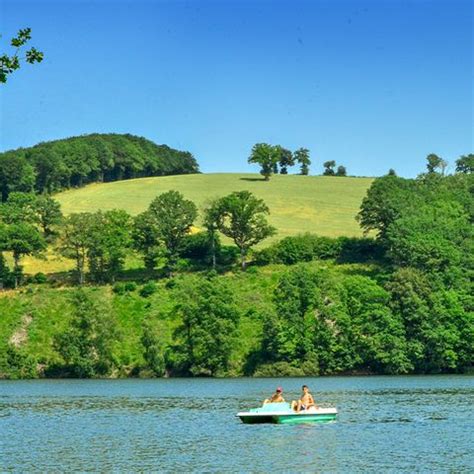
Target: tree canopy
[{"x": 76, "y": 161}]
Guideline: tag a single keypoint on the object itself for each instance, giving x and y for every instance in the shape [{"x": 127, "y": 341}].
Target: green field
[{"x": 318, "y": 204}]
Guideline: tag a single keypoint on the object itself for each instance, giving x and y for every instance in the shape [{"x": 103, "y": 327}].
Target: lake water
[{"x": 385, "y": 424}]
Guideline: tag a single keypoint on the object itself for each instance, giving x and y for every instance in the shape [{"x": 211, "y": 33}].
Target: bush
[
  {"x": 278, "y": 369},
  {"x": 197, "y": 247},
  {"x": 120, "y": 288},
  {"x": 130, "y": 286},
  {"x": 40, "y": 278},
  {"x": 20, "y": 365},
  {"x": 300, "y": 248},
  {"x": 148, "y": 289},
  {"x": 359, "y": 250},
  {"x": 228, "y": 255}
]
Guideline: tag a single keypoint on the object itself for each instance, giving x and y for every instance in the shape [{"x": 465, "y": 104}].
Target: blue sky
[{"x": 370, "y": 84}]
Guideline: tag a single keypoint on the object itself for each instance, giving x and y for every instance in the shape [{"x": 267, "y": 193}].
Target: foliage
[
  {"x": 243, "y": 220},
  {"x": 431, "y": 238},
  {"x": 153, "y": 350},
  {"x": 212, "y": 220},
  {"x": 75, "y": 240},
  {"x": 266, "y": 156},
  {"x": 122, "y": 288},
  {"x": 49, "y": 215},
  {"x": 51, "y": 166},
  {"x": 329, "y": 168},
  {"x": 307, "y": 247},
  {"x": 173, "y": 217},
  {"x": 205, "y": 336},
  {"x": 12, "y": 62},
  {"x": 382, "y": 206},
  {"x": 20, "y": 364},
  {"x": 148, "y": 289},
  {"x": 86, "y": 345},
  {"x": 341, "y": 171},
  {"x": 435, "y": 163},
  {"x": 285, "y": 160},
  {"x": 201, "y": 246},
  {"x": 109, "y": 240},
  {"x": 301, "y": 156},
  {"x": 465, "y": 164},
  {"x": 145, "y": 239},
  {"x": 22, "y": 239}
]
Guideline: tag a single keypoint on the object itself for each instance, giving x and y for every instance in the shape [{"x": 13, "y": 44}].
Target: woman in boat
[{"x": 277, "y": 397}]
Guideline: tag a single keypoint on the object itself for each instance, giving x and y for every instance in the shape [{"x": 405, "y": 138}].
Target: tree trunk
[
  {"x": 242, "y": 258},
  {"x": 16, "y": 267},
  {"x": 80, "y": 269},
  {"x": 213, "y": 250}
]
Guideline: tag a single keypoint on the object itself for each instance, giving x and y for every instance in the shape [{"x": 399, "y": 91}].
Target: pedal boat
[{"x": 281, "y": 413}]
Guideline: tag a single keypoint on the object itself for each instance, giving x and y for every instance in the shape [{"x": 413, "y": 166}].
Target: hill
[
  {"x": 318, "y": 204},
  {"x": 321, "y": 205},
  {"x": 76, "y": 161}
]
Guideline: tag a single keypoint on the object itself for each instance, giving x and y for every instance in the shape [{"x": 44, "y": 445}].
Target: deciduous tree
[
  {"x": 301, "y": 156},
  {"x": 329, "y": 168},
  {"x": 266, "y": 156},
  {"x": 243, "y": 219},
  {"x": 174, "y": 217}
]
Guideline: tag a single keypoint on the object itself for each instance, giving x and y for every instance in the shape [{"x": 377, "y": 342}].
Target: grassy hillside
[{"x": 317, "y": 204}]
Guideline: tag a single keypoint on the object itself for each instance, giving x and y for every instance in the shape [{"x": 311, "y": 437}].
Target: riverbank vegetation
[{"x": 397, "y": 301}]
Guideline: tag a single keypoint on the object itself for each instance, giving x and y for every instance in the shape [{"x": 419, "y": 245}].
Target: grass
[{"x": 318, "y": 204}]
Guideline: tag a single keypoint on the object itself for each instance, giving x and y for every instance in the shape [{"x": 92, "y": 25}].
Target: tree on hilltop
[
  {"x": 329, "y": 168},
  {"x": 465, "y": 164},
  {"x": 341, "y": 171},
  {"x": 435, "y": 163},
  {"x": 285, "y": 159},
  {"x": 267, "y": 157},
  {"x": 302, "y": 157}
]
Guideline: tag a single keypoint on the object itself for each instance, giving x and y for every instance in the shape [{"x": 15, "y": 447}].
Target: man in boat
[
  {"x": 306, "y": 401},
  {"x": 277, "y": 397}
]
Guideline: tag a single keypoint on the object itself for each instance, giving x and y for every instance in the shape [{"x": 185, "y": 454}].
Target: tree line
[
  {"x": 100, "y": 241},
  {"x": 72, "y": 162}
]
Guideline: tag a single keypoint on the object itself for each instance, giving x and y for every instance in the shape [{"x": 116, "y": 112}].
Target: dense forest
[
  {"x": 397, "y": 301},
  {"x": 52, "y": 166}
]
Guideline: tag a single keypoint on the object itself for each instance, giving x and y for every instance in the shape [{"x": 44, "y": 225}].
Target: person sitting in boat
[
  {"x": 306, "y": 401},
  {"x": 277, "y": 397}
]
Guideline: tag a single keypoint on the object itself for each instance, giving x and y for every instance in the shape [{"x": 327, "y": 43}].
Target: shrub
[
  {"x": 130, "y": 286},
  {"x": 38, "y": 278},
  {"x": 300, "y": 248},
  {"x": 228, "y": 255},
  {"x": 359, "y": 250},
  {"x": 198, "y": 246},
  {"x": 119, "y": 288},
  {"x": 148, "y": 289},
  {"x": 278, "y": 369},
  {"x": 20, "y": 365}
]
